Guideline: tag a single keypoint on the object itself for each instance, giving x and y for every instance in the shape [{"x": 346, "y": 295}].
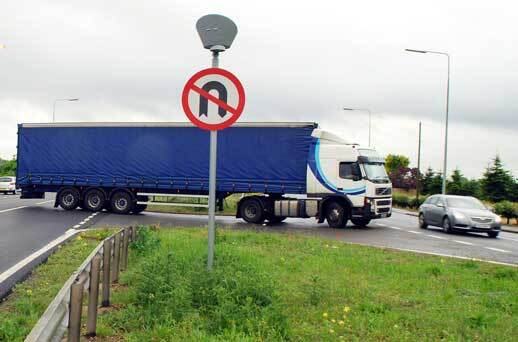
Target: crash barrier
[{"x": 65, "y": 311}]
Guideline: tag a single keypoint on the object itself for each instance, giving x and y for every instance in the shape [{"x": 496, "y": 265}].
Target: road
[{"x": 28, "y": 225}]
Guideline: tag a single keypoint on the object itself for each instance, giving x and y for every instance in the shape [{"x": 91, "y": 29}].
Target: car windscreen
[
  {"x": 464, "y": 203},
  {"x": 5, "y": 180}
]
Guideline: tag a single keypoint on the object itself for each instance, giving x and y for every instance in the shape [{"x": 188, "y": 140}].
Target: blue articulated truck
[{"x": 286, "y": 169}]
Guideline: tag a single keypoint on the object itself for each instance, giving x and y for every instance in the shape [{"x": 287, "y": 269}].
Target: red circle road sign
[{"x": 230, "y": 100}]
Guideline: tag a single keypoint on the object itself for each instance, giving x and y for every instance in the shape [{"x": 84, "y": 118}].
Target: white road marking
[
  {"x": 87, "y": 219},
  {"x": 44, "y": 202},
  {"x": 381, "y": 224},
  {"x": 463, "y": 242},
  {"x": 82, "y": 222},
  {"x": 507, "y": 238},
  {"x": 497, "y": 249},
  {"x": 392, "y": 227},
  {"x": 77, "y": 226},
  {"x": 414, "y": 232},
  {"x": 436, "y": 237},
  {"x": 11, "y": 209},
  {"x": 443, "y": 255},
  {"x": 12, "y": 270}
]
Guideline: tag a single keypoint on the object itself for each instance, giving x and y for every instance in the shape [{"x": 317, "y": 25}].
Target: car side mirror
[{"x": 440, "y": 205}]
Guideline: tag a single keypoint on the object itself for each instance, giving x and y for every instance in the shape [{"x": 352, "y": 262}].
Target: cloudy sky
[{"x": 299, "y": 61}]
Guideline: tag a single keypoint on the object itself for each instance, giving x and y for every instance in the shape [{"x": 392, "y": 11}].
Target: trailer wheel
[
  {"x": 251, "y": 210},
  {"x": 68, "y": 198},
  {"x": 121, "y": 202},
  {"x": 336, "y": 215},
  {"x": 360, "y": 222},
  {"x": 94, "y": 200}
]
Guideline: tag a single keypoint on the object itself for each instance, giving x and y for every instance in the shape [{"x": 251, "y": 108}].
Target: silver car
[
  {"x": 458, "y": 213},
  {"x": 8, "y": 185}
]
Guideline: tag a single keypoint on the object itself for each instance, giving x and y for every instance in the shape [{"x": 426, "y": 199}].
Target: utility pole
[{"x": 418, "y": 182}]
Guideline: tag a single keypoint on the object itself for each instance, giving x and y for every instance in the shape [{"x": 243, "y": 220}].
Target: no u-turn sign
[{"x": 213, "y": 86}]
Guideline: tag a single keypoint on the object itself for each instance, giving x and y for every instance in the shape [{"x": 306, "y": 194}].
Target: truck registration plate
[{"x": 383, "y": 215}]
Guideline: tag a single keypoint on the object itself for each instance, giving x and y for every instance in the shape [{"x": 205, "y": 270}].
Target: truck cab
[{"x": 344, "y": 172}]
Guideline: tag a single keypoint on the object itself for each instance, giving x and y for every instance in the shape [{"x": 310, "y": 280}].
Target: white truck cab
[{"x": 337, "y": 168}]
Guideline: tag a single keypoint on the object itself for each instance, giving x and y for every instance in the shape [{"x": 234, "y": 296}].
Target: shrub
[
  {"x": 506, "y": 209},
  {"x": 402, "y": 201}
]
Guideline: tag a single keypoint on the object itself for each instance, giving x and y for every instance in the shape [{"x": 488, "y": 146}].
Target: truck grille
[
  {"x": 383, "y": 191},
  {"x": 383, "y": 210},
  {"x": 384, "y": 202},
  {"x": 482, "y": 219}
]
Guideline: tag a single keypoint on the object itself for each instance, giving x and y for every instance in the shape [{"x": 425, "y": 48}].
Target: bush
[
  {"x": 506, "y": 209},
  {"x": 402, "y": 201}
]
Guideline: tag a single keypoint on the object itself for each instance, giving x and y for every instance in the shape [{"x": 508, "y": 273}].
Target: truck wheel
[
  {"x": 360, "y": 222},
  {"x": 276, "y": 219},
  {"x": 336, "y": 215},
  {"x": 68, "y": 198},
  {"x": 252, "y": 211},
  {"x": 121, "y": 202},
  {"x": 94, "y": 200}
]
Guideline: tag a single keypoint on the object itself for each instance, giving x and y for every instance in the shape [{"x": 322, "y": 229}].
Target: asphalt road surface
[{"x": 28, "y": 225}]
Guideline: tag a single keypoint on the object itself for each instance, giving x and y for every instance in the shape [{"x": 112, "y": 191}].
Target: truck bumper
[{"x": 373, "y": 210}]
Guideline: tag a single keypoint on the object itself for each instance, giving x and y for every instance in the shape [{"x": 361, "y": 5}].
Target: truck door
[{"x": 350, "y": 178}]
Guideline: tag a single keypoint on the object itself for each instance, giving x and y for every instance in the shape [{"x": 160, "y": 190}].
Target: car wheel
[
  {"x": 493, "y": 234},
  {"x": 251, "y": 211},
  {"x": 446, "y": 225},
  {"x": 94, "y": 200},
  {"x": 360, "y": 222},
  {"x": 422, "y": 222},
  {"x": 336, "y": 215},
  {"x": 121, "y": 202},
  {"x": 69, "y": 198}
]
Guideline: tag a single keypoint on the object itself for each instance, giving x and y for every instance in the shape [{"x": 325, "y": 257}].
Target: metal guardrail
[
  {"x": 64, "y": 312},
  {"x": 173, "y": 204}
]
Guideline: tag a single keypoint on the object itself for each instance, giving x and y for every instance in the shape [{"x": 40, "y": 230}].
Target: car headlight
[
  {"x": 459, "y": 216},
  {"x": 498, "y": 219}
]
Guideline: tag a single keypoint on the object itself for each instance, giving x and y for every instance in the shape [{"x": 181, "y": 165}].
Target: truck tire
[
  {"x": 68, "y": 198},
  {"x": 121, "y": 202},
  {"x": 94, "y": 200},
  {"x": 360, "y": 222},
  {"x": 251, "y": 210},
  {"x": 336, "y": 215}
]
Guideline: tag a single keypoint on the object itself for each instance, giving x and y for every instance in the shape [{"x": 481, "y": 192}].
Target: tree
[
  {"x": 431, "y": 182},
  {"x": 404, "y": 178},
  {"x": 395, "y": 161},
  {"x": 497, "y": 183},
  {"x": 8, "y": 168},
  {"x": 457, "y": 183}
]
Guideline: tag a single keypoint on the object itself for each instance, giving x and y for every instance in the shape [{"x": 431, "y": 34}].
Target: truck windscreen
[{"x": 376, "y": 172}]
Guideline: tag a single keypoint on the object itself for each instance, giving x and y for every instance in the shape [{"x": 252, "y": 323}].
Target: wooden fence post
[
  {"x": 93, "y": 296},
  {"x": 107, "y": 251},
  {"x": 116, "y": 257},
  {"x": 76, "y": 307}
]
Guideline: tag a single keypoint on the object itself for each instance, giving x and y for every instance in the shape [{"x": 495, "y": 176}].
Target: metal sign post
[
  {"x": 217, "y": 34},
  {"x": 212, "y": 182}
]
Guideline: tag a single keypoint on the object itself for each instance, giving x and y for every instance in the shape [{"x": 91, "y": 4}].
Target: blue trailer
[{"x": 113, "y": 166}]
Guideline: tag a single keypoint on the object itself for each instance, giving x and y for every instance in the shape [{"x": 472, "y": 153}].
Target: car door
[
  {"x": 426, "y": 208},
  {"x": 438, "y": 210}
]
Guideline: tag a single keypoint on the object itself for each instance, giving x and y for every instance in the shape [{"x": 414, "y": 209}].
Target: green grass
[
  {"x": 288, "y": 287},
  {"x": 229, "y": 205},
  {"x": 20, "y": 311}
]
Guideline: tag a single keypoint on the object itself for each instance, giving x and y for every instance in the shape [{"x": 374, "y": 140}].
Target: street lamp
[
  {"x": 444, "y": 174},
  {"x": 366, "y": 110},
  {"x": 54, "y": 107}
]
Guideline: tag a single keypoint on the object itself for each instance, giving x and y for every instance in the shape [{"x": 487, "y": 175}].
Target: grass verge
[
  {"x": 288, "y": 287},
  {"x": 229, "y": 206},
  {"x": 20, "y": 311}
]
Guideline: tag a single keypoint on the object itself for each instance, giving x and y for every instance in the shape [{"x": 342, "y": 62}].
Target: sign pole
[{"x": 212, "y": 182}]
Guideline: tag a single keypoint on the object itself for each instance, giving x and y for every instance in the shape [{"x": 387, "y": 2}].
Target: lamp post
[
  {"x": 444, "y": 169},
  {"x": 54, "y": 107},
  {"x": 370, "y": 114}
]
